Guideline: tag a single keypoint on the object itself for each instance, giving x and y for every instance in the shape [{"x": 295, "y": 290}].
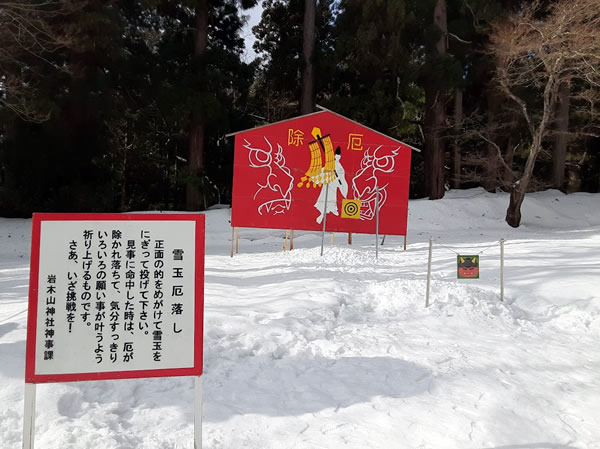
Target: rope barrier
[
  {"x": 485, "y": 248},
  {"x": 501, "y": 244}
]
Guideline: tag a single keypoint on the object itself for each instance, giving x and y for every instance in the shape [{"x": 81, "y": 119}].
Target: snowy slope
[{"x": 303, "y": 351}]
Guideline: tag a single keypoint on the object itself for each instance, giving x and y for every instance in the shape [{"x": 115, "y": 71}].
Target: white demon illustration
[
  {"x": 366, "y": 181},
  {"x": 275, "y": 195}
]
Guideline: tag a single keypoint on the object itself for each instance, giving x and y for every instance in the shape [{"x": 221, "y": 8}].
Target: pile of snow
[{"x": 304, "y": 351}]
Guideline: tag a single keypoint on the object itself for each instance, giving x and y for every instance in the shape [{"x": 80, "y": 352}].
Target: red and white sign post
[{"x": 114, "y": 296}]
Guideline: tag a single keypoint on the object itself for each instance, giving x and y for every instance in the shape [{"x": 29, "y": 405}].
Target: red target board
[{"x": 287, "y": 175}]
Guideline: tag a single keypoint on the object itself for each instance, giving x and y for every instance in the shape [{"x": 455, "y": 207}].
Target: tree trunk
[
  {"x": 193, "y": 197},
  {"x": 307, "y": 99},
  {"x": 434, "y": 148},
  {"x": 519, "y": 188},
  {"x": 491, "y": 163},
  {"x": 435, "y": 115},
  {"x": 559, "y": 153},
  {"x": 509, "y": 155},
  {"x": 513, "y": 213},
  {"x": 458, "y": 118}
]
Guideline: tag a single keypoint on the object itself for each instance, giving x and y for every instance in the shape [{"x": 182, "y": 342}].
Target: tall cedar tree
[
  {"x": 307, "y": 97},
  {"x": 374, "y": 78},
  {"x": 435, "y": 105},
  {"x": 216, "y": 25},
  {"x": 286, "y": 60}
]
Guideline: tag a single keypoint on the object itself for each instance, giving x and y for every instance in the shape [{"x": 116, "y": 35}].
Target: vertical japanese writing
[
  {"x": 115, "y": 306},
  {"x": 86, "y": 265},
  {"x": 71, "y": 299},
  {"x": 129, "y": 313},
  {"x": 143, "y": 301},
  {"x": 100, "y": 317},
  {"x": 50, "y": 312},
  {"x": 122, "y": 298},
  {"x": 157, "y": 306},
  {"x": 177, "y": 291}
]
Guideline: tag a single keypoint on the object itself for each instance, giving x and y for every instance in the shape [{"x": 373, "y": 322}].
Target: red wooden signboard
[
  {"x": 285, "y": 172},
  {"x": 115, "y": 296}
]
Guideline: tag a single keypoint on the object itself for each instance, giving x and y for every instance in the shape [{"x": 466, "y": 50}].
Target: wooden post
[
  {"x": 232, "y": 239},
  {"x": 287, "y": 234},
  {"x": 332, "y": 237},
  {"x": 29, "y": 416},
  {"x": 349, "y": 238},
  {"x": 198, "y": 413},
  {"x": 428, "y": 273},
  {"x": 376, "y": 222},
  {"x": 404, "y": 243},
  {"x": 237, "y": 240},
  {"x": 292, "y": 240},
  {"x": 383, "y": 239},
  {"x": 324, "y": 218},
  {"x": 502, "y": 270}
]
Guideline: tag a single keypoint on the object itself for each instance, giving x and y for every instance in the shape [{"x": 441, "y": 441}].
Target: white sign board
[{"x": 115, "y": 296}]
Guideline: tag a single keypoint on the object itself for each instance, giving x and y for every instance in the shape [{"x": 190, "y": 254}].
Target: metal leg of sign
[
  {"x": 29, "y": 416},
  {"x": 232, "y": 239},
  {"x": 383, "y": 239},
  {"x": 349, "y": 238},
  {"x": 428, "y": 273},
  {"x": 324, "y": 218},
  {"x": 198, "y": 413},
  {"x": 404, "y": 243},
  {"x": 292, "y": 240},
  {"x": 237, "y": 240},
  {"x": 502, "y": 270},
  {"x": 377, "y": 222}
]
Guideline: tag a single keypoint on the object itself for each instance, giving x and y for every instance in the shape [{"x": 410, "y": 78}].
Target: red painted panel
[{"x": 284, "y": 171}]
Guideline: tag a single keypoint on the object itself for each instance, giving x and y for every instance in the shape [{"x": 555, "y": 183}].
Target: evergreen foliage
[{"x": 98, "y": 103}]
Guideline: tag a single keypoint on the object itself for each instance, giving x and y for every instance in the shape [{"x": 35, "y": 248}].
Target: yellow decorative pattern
[{"x": 317, "y": 174}]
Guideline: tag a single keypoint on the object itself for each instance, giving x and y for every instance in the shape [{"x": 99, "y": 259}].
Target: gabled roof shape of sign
[{"x": 287, "y": 174}]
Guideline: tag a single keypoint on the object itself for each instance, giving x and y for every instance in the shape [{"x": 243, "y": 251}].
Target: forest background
[{"x": 124, "y": 105}]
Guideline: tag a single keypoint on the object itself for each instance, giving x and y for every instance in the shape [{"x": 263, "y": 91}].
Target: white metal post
[
  {"x": 324, "y": 218},
  {"x": 428, "y": 272},
  {"x": 502, "y": 270},
  {"x": 29, "y": 416},
  {"x": 198, "y": 413}
]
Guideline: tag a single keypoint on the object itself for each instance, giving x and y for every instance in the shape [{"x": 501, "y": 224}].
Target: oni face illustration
[
  {"x": 366, "y": 181},
  {"x": 274, "y": 193},
  {"x": 468, "y": 267}
]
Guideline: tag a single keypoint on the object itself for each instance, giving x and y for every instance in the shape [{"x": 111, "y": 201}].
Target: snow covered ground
[{"x": 303, "y": 351}]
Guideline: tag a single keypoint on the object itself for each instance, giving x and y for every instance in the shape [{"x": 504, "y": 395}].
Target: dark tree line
[{"x": 124, "y": 105}]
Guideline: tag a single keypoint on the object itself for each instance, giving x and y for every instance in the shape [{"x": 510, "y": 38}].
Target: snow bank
[{"x": 303, "y": 351}]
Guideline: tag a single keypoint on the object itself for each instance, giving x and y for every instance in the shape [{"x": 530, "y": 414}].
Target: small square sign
[
  {"x": 467, "y": 267},
  {"x": 351, "y": 209}
]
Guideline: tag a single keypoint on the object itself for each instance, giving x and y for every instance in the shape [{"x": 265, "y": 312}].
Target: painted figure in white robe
[{"x": 338, "y": 183}]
